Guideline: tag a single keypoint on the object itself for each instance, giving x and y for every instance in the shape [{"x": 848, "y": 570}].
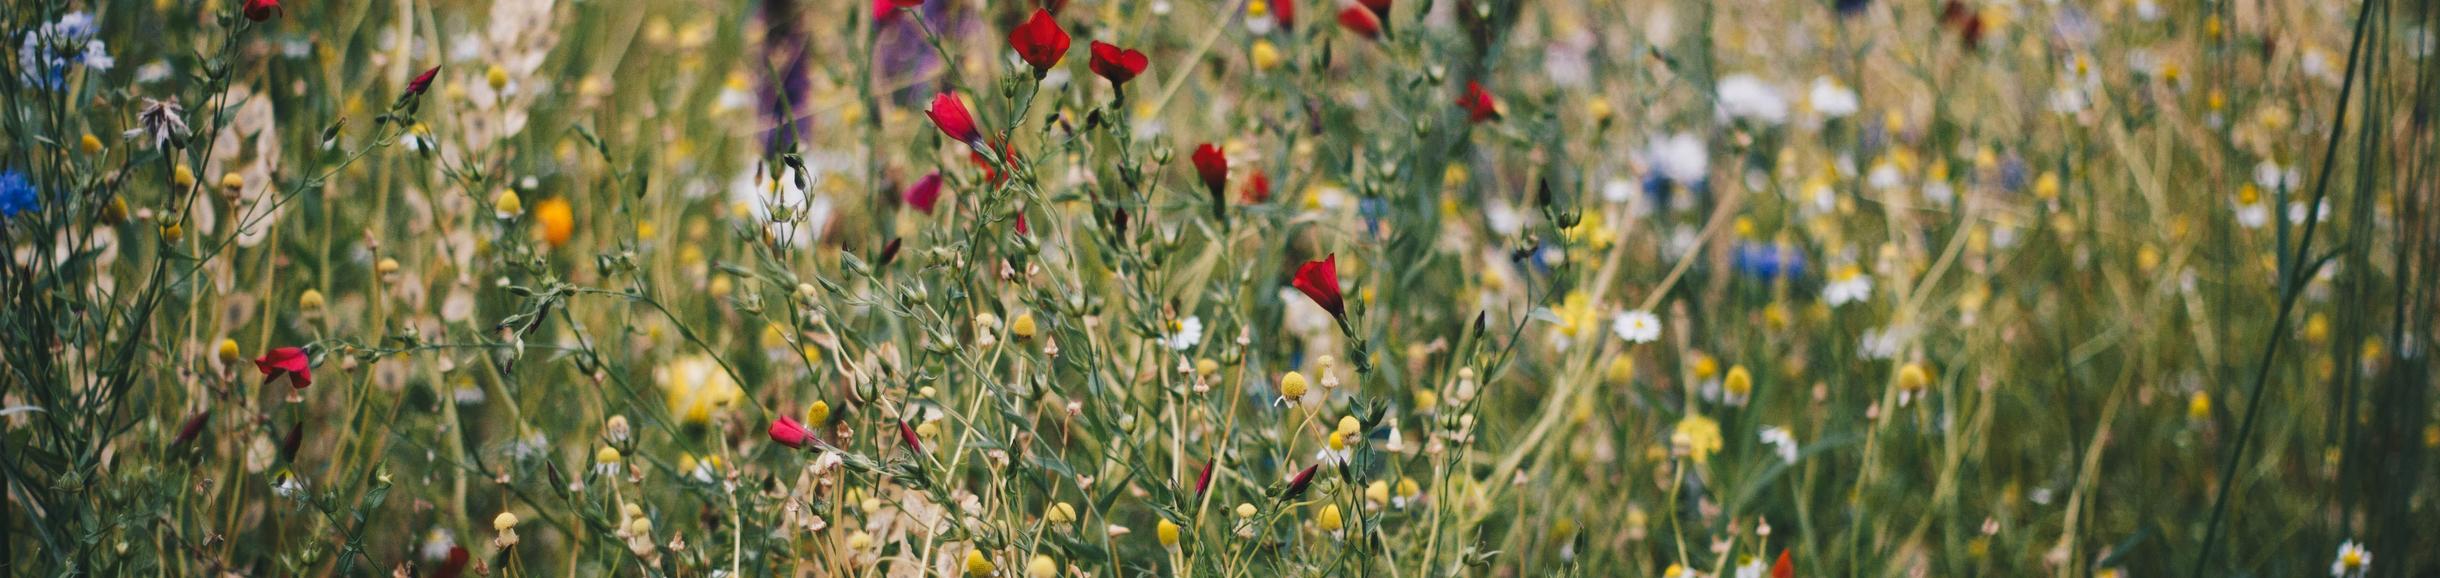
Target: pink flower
[
  {"x": 925, "y": 195},
  {"x": 290, "y": 362},
  {"x": 789, "y": 433}
]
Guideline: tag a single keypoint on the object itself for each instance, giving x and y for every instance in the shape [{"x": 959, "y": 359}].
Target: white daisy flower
[
  {"x": 1184, "y": 334},
  {"x": 1832, "y": 99},
  {"x": 1780, "y": 441},
  {"x": 1853, "y": 288},
  {"x": 1743, "y": 96},
  {"x": 1637, "y": 326},
  {"x": 2352, "y": 561}
]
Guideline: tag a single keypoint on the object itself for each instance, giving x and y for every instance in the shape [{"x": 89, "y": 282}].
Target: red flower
[
  {"x": 1361, "y": 21},
  {"x": 1204, "y": 481},
  {"x": 1021, "y": 229},
  {"x": 455, "y": 565},
  {"x": 1378, "y": 7},
  {"x": 906, "y": 433},
  {"x": 290, "y": 362},
  {"x": 193, "y": 427},
  {"x": 1297, "y": 485},
  {"x": 925, "y": 194},
  {"x": 1285, "y": 11},
  {"x": 1257, "y": 188},
  {"x": 789, "y": 433},
  {"x": 423, "y": 81},
  {"x": 1783, "y": 568},
  {"x": 1040, "y": 42},
  {"x": 950, "y": 115},
  {"x": 260, "y": 10},
  {"x": 1212, "y": 166},
  {"x": 1117, "y": 65},
  {"x": 1319, "y": 280},
  {"x": 1478, "y": 104}
]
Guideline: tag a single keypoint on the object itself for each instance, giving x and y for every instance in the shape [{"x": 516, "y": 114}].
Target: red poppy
[
  {"x": 1285, "y": 11},
  {"x": 1783, "y": 568},
  {"x": 423, "y": 81},
  {"x": 1040, "y": 42},
  {"x": 1478, "y": 104},
  {"x": 925, "y": 195},
  {"x": 290, "y": 362},
  {"x": 1319, "y": 280},
  {"x": 1116, "y": 64},
  {"x": 1212, "y": 165},
  {"x": 1257, "y": 188},
  {"x": 789, "y": 433},
  {"x": 950, "y": 115},
  {"x": 260, "y": 10},
  {"x": 1361, "y": 21}
]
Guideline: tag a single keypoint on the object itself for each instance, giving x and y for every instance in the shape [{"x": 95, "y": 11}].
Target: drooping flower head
[
  {"x": 950, "y": 115},
  {"x": 287, "y": 362},
  {"x": 1040, "y": 42},
  {"x": 1319, "y": 280}
]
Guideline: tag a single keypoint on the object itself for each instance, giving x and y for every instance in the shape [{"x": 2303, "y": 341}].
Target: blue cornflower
[
  {"x": 1769, "y": 261},
  {"x": 49, "y": 53},
  {"x": 17, "y": 194}
]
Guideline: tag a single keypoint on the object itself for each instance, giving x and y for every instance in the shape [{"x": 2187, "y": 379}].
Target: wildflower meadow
[{"x": 1219, "y": 288}]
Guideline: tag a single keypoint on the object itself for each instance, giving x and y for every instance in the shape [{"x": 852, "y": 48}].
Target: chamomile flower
[
  {"x": 1781, "y": 442},
  {"x": 1742, "y": 96},
  {"x": 2352, "y": 562},
  {"x": 1849, "y": 285},
  {"x": 1749, "y": 566},
  {"x": 1831, "y": 99},
  {"x": 1184, "y": 334},
  {"x": 1637, "y": 326},
  {"x": 287, "y": 484}
]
